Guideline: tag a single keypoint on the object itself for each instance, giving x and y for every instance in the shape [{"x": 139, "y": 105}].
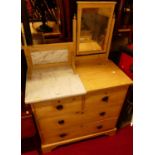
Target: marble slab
[
  {"x": 53, "y": 83},
  {"x": 49, "y": 56}
]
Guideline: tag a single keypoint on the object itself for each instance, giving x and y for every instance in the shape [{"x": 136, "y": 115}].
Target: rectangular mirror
[{"x": 94, "y": 21}]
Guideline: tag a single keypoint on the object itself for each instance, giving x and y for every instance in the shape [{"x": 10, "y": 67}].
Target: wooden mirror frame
[{"x": 84, "y": 5}]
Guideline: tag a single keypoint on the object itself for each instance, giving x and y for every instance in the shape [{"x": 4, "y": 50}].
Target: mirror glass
[{"x": 93, "y": 29}]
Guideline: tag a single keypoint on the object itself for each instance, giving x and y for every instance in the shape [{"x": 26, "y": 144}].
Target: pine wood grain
[
  {"x": 101, "y": 76},
  {"x": 49, "y": 147}
]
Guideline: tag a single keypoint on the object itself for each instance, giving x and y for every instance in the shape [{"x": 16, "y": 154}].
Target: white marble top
[
  {"x": 49, "y": 56},
  {"x": 53, "y": 83}
]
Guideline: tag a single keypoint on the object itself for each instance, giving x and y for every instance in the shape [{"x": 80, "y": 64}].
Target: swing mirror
[{"x": 94, "y": 21}]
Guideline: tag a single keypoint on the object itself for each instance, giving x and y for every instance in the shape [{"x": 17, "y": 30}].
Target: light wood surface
[
  {"x": 57, "y": 108},
  {"x": 114, "y": 96},
  {"x": 74, "y": 44},
  {"x": 101, "y": 76},
  {"x": 28, "y": 60},
  {"x": 90, "y": 59},
  {"x": 77, "y": 131},
  {"x": 98, "y": 126},
  {"x": 49, "y": 147},
  {"x": 52, "y": 125},
  {"x": 110, "y": 36},
  {"x": 90, "y": 46},
  {"x": 100, "y": 114}
]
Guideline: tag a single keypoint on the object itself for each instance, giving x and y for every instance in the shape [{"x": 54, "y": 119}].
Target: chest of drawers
[
  {"x": 69, "y": 107},
  {"x": 74, "y": 118}
]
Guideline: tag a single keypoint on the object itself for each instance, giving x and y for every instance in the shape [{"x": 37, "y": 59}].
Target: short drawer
[
  {"x": 57, "y": 107},
  {"x": 53, "y": 124},
  {"x": 99, "y": 126},
  {"x": 104, "y": 98},
  {"x": 97, "y": 114}
]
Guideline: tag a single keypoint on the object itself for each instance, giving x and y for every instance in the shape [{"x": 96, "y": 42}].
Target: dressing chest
[{"x": 80, "y": 96}]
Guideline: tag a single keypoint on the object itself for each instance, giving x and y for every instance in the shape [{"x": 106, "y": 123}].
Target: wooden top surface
[{"x": 101, "y": 76}]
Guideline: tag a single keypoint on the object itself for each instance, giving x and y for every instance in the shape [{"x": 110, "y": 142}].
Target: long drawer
[
  {"x": 53, "y": 124},
  {"x": 46, "y": 125},
  {"x": 103, "y": 98},
  {"x": 77, "y": 131},
  {"x": 61, "y": 135},
  {"x": 57, "y": 107}
]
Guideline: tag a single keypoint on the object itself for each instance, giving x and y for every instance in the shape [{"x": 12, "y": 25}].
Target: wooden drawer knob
[
  {"x": 99, "y": 127},
  {"x": 102, "y": 113},
  {"x": 59, "y": 107},
  {"x": 61, "y": 122},
  {"x": 105, "y": 98},
  {"x": 62, "y": 135}
]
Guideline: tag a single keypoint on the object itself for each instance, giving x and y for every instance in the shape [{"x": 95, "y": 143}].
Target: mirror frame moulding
[{"x": 84, "y": 5}]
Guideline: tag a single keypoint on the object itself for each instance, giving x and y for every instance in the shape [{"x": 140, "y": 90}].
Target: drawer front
[
  {"x": 99, "y": 126},
  {"x": 58, "y": 107},
  {"x": 77, "y": 131},
  {"x": 53, "y": 124},
  {"x": 104, "y": 98},
  {"x": 100, "y": 113},
  {"x": 61, "y": 135}
]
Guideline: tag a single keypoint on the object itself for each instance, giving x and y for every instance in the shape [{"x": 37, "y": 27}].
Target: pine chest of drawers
[
  {"x": 75, "y": 118},
  {"x": 68, "y": 107}
]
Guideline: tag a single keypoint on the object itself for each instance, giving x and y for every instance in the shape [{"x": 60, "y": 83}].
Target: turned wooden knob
[
  {"x": 105, "y": 98},
  {"x": 61, "y": 122},
  {"x": 59, "y": 107},
  {"x": 62, "y": 135},
  {"x": 99, "y": 127},
  {"x": 102, "y": 113}
]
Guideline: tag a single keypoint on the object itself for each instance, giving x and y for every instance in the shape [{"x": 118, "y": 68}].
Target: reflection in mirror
[
  {"x": 94, "y": 22},
  {"x": 44, "y": 19}
]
